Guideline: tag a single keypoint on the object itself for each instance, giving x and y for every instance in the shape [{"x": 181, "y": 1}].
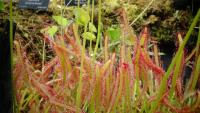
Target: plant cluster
[{"x": 105, "y": 72}]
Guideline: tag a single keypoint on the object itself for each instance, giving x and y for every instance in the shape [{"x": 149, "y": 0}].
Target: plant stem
[
  {"x": 99, "y": 30},
  {"x": 43, "y": 54},
  {"x": 78, "y": 96},
  {"x": 141, "y": 14},
  {"x": 11, "y": 35},
  {"x": 88, "y": 9},
  {"x": 198, "y": 45},
  {"x": 88, "y": 3},
  {"x": 14, "y": 101},
  {"x": 92, "y": 18},
  {"x": 78, "y": 3}
]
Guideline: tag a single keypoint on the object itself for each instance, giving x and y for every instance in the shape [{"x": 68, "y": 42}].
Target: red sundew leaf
[
  {"x": 103, "y": 72},
  {"x": 126, "y": 81},
  {"x": 64, "y": 60},
  {"x": 73, "y": 79},
  {"x": 72, "y": 42},
  {"x": 76, "y": 53},
  {"x": 92, "y": 87},
  {"x": 49, "y": 68},
  {"x": 49, "y": 94},
  {"x": 124, "y": 73},
  {"x": 151, "y": 65},
  {"x": 152, "y": 98},
  {"x": 103, "y": 91},
  {"x": 143, "y": 38},
  {"x": 44, "y": 90},
  {"x": 114, "y": 94},
  {"x": 163, "y": 97},
  {"x": 105, "y": 68},
  {"x": 147, "y": 63},
  {"x": 86, "y": 87},
  {"x": 179, "y": 90},
  {"x": 22, "y": 69},
  {"x": 144, "y": 59},
  {"x": 166, "y": 102},
  {"x": 179, "y": 81},
  {"x": 169, "y": 81},
  {"x": 178, "y": 86},
  {"x": 19, "y": 72}
]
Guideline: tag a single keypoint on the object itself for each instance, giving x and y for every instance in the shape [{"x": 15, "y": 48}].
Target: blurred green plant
[
  {"x": 89, "y": 36},
  {"x": 82, "y": 17},
  {"x": 114, "y": 34},
  {"x": 1, "y": 5},
  {"x": 52, "y": 30},
  {"x": 61, "y": 21}
]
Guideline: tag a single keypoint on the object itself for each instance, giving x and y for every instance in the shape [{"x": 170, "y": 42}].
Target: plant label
[
  {"x": 75, "y": 2},
  {"x": 34, "y": 4}
]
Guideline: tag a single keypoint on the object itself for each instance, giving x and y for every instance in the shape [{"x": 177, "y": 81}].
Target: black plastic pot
[{"x": 6, "y": 95}]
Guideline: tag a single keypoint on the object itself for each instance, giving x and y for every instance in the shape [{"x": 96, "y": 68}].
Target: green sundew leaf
[
  {"x": 52, "y": 30},
  {"x": 142, "y": 41},
  {"x": 89, "y": 36},
  {"x": 1, "y": 5},
  {"x": 114, "y": 34},
  {"x": 61, "y": 21},
  {"x": 176, "y": 74},
  {"x": 92, "y": 28},
  {"x": 196, "y": 74},
  {"x": 82, "y": 16}
]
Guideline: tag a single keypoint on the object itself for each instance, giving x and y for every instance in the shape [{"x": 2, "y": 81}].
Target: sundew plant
[{"x": 112, "y": 71}]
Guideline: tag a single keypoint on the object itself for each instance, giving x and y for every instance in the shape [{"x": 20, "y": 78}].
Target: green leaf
[
  {"x": 52, "y": 30},
  {"x": 61, "y": 21},
  {"x": 1, "y": 5},
  {"x": 89, "y": 36},
  {"x": 92, "y": 28},
  {"x": 82, "y": 16},
  {"x": 114, "y": 34}
]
